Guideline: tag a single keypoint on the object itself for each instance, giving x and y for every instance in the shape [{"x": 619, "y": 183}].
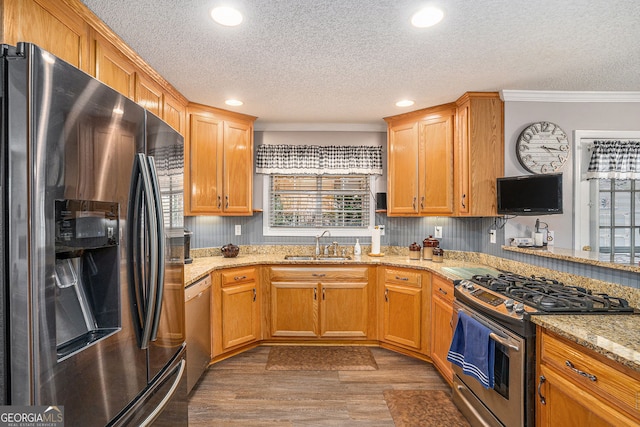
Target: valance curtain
[
  {"x": 319, "y": 160},
  {"x": 612, "y": 159}
]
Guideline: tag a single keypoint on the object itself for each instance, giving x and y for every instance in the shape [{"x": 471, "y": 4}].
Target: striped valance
[
  {"x": 319, "y": 160},
  {"x": 611, "y": 159}
]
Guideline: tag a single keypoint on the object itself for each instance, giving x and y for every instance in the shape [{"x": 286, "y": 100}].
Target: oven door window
[{"x": 501, "y": 371}]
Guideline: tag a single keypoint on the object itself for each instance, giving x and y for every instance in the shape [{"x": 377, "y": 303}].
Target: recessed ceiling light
[
  {"x": 234, "y": 102},
  {"x": 404, "y": 103},
  {"x": 427, "y": 17},
  {"x": 227, "y": 16}
]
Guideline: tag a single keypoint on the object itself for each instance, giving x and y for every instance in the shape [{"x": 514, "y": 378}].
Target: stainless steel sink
[{"x": 317, "y": 257}]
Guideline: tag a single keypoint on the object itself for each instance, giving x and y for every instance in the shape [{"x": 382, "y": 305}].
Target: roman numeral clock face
[{"x": 542, "y": 148}]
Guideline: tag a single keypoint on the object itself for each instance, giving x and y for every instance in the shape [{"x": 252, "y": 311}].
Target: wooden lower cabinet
[
  {"x": 593, "y": 391},
  {"x": 320, "y": 302},
  {"x": 441, "y": 324},
  {"x": 236, "y": 309},
  {"x": 405, "y": 308}
]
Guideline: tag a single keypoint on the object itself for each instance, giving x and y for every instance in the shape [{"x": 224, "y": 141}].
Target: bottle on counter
[{"x": 357, "y": 250}]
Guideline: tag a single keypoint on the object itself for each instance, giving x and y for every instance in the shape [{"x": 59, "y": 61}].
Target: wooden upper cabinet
[
  {"x": 402, "y": 169},
  {"x": 218, "y": 162},
  {"x": 174, "y": 113},
  {"x": 51, "y": 25},
  {"x": 479, "y": 153},
  {"x": 148, "y": 94},
  {"x": 203, "y": 171},
  {"x": 238, "y": 167},
  {"x": 420, "y": 162},
  {"x": 436, "y": 157},
  {"x": 114, "y": 69}
]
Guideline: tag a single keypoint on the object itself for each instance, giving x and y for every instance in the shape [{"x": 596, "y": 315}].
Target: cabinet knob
[
  {"x": 219, "y": 202},
  {"x": 414, "y": 203},
  {"x": 226, "y": 198},
  {"x": 386, "y": 295},
  {"x": 464, "y": 196},
  {"x": 255, "y": 294},
  {"x": 422, "y": 203}
]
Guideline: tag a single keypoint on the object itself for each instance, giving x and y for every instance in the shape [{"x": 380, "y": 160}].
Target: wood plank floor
[{"x": 240, "y": 392}]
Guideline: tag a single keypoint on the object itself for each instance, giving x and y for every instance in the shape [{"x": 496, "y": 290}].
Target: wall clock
[{"x": 542, "y": 147}]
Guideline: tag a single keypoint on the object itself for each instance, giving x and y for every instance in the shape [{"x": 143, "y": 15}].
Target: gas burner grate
[{"x": 550, "y": 295}]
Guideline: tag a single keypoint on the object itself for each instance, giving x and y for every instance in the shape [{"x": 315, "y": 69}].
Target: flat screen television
[{"x": 530, "y": 194}]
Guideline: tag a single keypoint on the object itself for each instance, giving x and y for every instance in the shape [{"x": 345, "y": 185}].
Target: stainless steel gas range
[{"x": 504, "y": 303}]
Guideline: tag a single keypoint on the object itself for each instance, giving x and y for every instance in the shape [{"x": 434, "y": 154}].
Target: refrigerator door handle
[
  {"x": 135, "y": 266},
  {"x": 151, "y": 232},
  {"x": 159, "y": 283},
  {"x": 167, "y": 398}
]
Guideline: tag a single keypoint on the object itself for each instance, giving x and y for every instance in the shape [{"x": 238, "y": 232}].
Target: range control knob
[
  {"x": 519, "y": 308},
  {"x": 509, "y": 304},
  {"x": 468, "y": 285}
]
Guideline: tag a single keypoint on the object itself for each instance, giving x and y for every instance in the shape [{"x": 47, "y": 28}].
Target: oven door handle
[{"x": 504, "y": 341}]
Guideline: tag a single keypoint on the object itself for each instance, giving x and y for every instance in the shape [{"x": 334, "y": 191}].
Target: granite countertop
[
  {"x": 202, "y": 266},
  {"x": 615, "y": 336}
]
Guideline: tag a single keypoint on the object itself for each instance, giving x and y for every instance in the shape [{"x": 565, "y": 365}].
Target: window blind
[{"x": 310, "y": 201}]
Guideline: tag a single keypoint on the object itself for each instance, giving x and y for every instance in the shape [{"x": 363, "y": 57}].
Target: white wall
[{"x": 570, "y": 116}]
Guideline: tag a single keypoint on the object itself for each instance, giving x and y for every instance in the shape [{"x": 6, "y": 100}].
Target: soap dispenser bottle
[{"x": 356, "y": 249}]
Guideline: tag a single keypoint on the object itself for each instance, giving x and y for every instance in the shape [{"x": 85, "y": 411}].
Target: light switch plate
[
  {"x": 438, "y": 232},
  {"x": 238, "y": 230},
  {"x": 492, "y": 236}
]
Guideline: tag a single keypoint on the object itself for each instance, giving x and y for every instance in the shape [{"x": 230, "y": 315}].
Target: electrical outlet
[
  {"x": 492, "y": 236},
  {"x": 381, "y": 227},
  {"x": 438, "y": 232},
  {"x": 238, "y": 230}
]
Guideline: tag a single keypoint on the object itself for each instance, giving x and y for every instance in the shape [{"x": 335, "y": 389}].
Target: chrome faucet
[
  {"x": 335, "y": 248},
  {"x": 325, "y": 232}
]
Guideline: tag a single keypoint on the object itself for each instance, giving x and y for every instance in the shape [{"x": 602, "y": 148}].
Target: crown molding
[{"x": 567, "y": 96}]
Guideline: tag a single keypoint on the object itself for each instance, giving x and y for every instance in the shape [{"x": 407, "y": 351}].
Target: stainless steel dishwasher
[{"x": 197, "y": 299}]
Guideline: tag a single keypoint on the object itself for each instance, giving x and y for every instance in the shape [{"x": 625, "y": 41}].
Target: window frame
[{"x": 267, "y": 230}]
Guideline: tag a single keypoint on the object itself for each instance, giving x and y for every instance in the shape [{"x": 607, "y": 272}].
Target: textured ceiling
[{"x": 349, "y": 61}]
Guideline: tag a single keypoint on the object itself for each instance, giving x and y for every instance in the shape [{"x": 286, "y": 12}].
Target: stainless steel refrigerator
[{"x": 91, "y": 255}]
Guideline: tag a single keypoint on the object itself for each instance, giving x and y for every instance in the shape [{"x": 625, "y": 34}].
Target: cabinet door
[
  {"x": 441, "y": 335},
  {"x": 52, "y": 25},
  {"x": 436, "y": 165},
  {"x": 294, "y": 310},
  {"x": 238, "y": 168},
  {"x": 203, "y": 149},
  {"x": 402, "y": 315},
  {"x": 571, "y": 406},
  {"x": 479, "y": 153},
  {"x": 402, "y": 177},
  {"x": 174, "y": 113},
  {"x": 344, "y": 309},
  {"x": 148, "y": 94},
  {"x": 240, "y": 315},
  {"x": 113, "y": 69}
]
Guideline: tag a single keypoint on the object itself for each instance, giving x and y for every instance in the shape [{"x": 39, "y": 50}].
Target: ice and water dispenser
[{"x": 87, "y": 273}]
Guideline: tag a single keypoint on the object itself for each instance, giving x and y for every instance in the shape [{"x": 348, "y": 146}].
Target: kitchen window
[
  {"x": 607, "y": 195},
  {"x": 310, "y": 189},
  {"x": 618, "y": 214}
]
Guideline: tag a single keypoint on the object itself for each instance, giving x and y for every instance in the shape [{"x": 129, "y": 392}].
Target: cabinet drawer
[
  {"x": 442, "y": 288},
  {"x": 402, "y": 277},
  {"x": 318, "y": 274},
  {"x": 236, "y": 276},
  {"x": 596, "y": 376}
]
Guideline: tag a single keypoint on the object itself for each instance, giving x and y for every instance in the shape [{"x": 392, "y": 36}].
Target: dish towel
[{"x": 473, "y": 350}]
